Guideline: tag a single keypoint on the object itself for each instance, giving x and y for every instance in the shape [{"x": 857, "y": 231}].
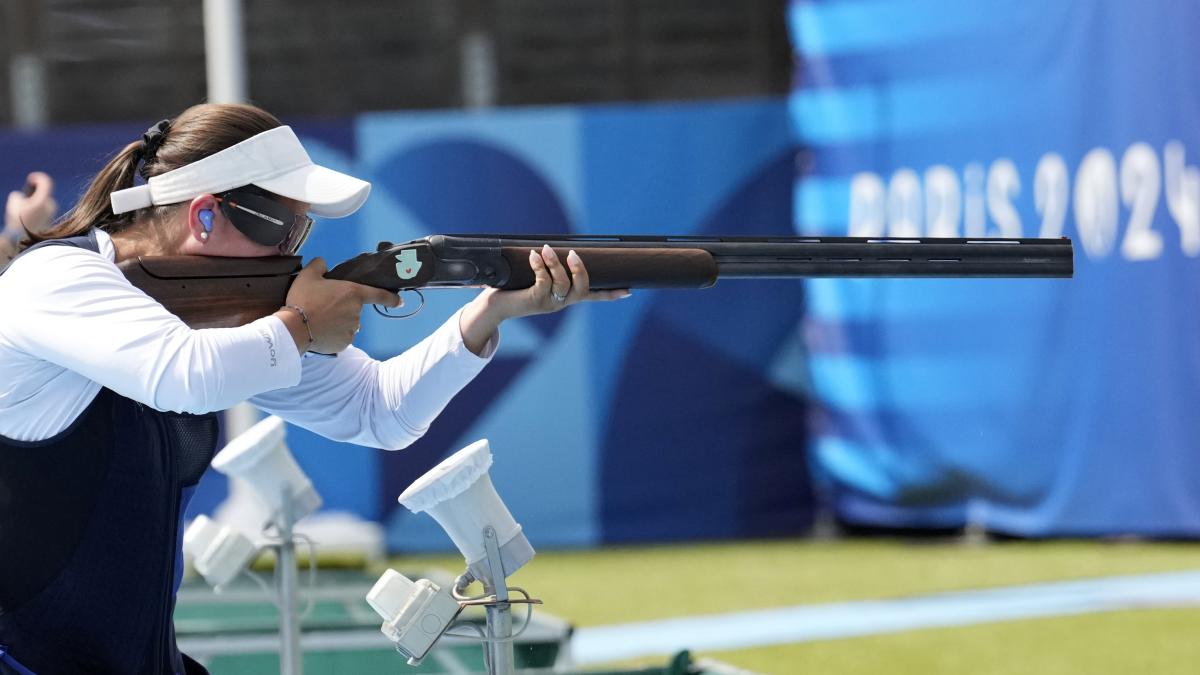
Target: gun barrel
[{"x": 909, "y": 258}]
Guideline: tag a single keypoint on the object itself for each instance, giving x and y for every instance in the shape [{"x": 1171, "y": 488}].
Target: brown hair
[{"x": 196, "y": 133}]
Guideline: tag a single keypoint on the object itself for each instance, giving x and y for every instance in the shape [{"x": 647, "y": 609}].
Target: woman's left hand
[
  {"x": 33, "y": 212},
  {"x": 555, "y": 287}
]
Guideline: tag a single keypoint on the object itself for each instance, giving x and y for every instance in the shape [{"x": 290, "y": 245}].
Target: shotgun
[{"x": 212, "y": 292}]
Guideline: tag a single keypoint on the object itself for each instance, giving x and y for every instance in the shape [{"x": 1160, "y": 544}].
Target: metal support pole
[
  {"x": 224, "y": 51},
  {"x": 478, "y": 76},
  {"x": 287, "y": 587},
  {"x": 28, "y": 92},
  {"x": 242, "y": 506},
  {"x": 501, "y": 660}
]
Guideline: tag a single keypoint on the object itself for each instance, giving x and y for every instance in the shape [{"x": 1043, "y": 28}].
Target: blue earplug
[{"x": 206, "y": 217}]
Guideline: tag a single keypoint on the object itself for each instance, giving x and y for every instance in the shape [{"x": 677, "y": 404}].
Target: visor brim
[{"x": 329, "y": 193}]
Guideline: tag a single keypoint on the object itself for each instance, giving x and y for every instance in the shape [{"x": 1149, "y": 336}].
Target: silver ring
[{"x": 558, "y": 298}]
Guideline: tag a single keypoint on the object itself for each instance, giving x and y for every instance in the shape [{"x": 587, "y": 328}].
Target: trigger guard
[{"x": 389, "y": 315}]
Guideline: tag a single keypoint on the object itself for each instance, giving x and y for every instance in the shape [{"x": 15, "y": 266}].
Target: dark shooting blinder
[{"x": 264, "y": 220}]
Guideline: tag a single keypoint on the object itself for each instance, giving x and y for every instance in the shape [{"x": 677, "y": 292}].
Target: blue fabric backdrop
[
  {"x": 1032, "y": 407},
  {"x": 669, "y": 415}
]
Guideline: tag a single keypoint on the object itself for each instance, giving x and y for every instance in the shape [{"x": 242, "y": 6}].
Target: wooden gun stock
[{"x": 212, "y": 292}]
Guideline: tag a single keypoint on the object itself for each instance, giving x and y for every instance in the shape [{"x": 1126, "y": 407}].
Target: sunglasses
[{"x": 265, "y": 221}]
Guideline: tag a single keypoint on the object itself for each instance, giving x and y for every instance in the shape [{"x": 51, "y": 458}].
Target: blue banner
[{"x": 1033, "y": 407}]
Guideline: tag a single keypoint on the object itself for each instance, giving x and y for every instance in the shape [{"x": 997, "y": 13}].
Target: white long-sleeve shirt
[{"x": 70, "y": 323}]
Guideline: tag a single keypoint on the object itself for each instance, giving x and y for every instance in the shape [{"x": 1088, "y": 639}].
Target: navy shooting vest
[{"x": 91, "y": 534}]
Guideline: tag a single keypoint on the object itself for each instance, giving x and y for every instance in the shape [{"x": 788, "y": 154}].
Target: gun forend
[{"x": 443, "y": 262}]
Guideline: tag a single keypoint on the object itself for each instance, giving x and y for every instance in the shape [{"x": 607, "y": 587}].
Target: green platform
[{"x": 236, "y": 632}]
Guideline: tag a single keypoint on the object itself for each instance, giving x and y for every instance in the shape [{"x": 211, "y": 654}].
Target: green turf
[
  {"x": 618, "y": 585},
  {"x": 1154, "y": 642}
]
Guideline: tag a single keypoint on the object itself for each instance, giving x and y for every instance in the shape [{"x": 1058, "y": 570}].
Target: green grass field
[{"x": 619, "y": 585}]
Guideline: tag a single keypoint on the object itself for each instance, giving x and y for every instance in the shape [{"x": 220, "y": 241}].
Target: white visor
[{"x": 273, "y": 160}]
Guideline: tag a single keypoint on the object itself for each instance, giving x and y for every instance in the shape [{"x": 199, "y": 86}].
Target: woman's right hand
[{"x": 333, "y": 308}]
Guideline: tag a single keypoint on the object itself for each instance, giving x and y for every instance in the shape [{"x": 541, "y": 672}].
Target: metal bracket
[{"x": 495, "y": 564}]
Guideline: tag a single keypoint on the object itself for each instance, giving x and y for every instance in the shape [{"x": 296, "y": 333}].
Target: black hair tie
[{"x": 151, "y": 141}]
